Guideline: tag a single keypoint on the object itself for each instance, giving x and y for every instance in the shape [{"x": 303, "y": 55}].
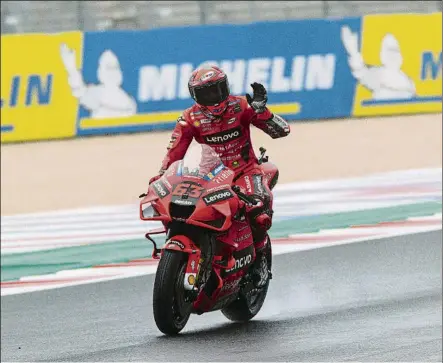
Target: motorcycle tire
[
  {"x": 171, "y": 311},
  {"x": 241, "y": 310}
]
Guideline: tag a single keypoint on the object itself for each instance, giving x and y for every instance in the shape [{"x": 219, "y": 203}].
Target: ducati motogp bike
[{"x": 206, "y": 262}]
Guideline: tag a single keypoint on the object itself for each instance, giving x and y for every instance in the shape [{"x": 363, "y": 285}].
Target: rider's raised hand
[{"x": 259, "y": 99}]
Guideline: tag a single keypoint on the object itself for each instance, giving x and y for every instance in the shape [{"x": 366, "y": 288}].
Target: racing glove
[{"x": 259, "y": 99}]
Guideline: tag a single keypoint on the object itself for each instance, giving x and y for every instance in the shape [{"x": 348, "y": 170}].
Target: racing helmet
[{"x": 209, "y": 88}]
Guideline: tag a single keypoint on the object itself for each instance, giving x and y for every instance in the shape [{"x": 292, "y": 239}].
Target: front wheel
[
  {"x": 248, "y": 305},
  {"x": 171, "y": 308}
]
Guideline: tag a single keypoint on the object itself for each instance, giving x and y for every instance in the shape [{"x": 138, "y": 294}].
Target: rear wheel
[
  {"x": 249, "y": 304},
  {"x": 171, "y": 307}
]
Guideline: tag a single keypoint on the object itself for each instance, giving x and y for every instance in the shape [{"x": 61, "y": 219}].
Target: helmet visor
[{"x": 213, "y": 94}]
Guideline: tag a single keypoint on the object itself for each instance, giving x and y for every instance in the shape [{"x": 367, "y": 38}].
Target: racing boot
[
  {"x": 260, "y": 271},
  {"x": 260, "y": 219}
]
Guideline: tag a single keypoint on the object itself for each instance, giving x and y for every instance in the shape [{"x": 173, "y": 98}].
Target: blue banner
[{"x": 137, "y": 80}]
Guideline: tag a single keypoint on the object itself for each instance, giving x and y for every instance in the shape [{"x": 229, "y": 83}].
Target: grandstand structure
[{"x": 58, "y": 16}]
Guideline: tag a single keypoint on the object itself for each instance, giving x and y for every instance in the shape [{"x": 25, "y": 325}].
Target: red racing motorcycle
[{"x": 205, "y": 264}]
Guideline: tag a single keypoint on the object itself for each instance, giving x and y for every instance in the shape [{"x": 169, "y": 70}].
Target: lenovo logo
[
  {"x": 241, "y": 262},
  {"x": 217, "y": 197},
  {"x": 161, "y": 189},
  {"x": 223, "y": 137}
]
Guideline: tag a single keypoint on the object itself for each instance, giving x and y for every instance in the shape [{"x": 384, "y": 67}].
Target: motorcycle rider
[{"x": 222, "y": 121}]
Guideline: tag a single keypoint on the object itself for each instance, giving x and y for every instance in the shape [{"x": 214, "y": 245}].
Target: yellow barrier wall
[
  {"x": 36, "y": 97},
  {"x": 401, "y": 52}
]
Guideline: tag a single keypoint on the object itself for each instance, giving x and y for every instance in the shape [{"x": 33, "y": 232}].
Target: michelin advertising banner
[
  {"x": 397, "y": 63},
  {"x": 74, "y": 84},
  {"x": 36, "y": 99}
]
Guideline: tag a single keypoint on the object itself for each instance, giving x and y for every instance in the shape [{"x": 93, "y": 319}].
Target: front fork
[
  {"x": 202, "y": 269},
  {"x": 194, "y": 272},
  {"x": 202, "y": 278},
  {"x": 183, "y": 244}
]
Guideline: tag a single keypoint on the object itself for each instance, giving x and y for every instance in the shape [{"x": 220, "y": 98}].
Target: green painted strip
[
  {"x": 43, "y": 262},
  {"x": 344, "y": 220},
  {"x": 15, "y": 266}
]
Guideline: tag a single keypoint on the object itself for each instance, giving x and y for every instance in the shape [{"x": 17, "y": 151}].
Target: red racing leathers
[{"x": 229, "y": 135}]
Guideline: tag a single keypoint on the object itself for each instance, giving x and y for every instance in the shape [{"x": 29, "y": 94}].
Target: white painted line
[{"x": 111, "y": 273}]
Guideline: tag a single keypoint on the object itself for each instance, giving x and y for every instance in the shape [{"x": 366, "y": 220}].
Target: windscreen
[{"x": 200, "y": 161}]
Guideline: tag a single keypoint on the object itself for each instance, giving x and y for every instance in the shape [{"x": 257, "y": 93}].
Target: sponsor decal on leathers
[{"x": 224, "y": 136}]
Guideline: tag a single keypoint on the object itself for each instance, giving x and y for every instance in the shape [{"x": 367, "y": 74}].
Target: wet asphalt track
[{"x": 372, "y": 301}]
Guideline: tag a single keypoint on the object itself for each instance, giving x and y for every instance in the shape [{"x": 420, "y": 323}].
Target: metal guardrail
[{"x": 56, "y": 16}]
